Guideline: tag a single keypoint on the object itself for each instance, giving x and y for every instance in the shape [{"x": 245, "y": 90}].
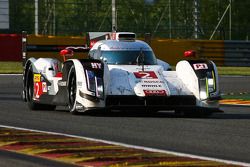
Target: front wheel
[{"x": 72, "y": 89}]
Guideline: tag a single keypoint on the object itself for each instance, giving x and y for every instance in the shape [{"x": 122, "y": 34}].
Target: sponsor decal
[
  {"x": 96, "y": 65},
  {"x": 200, "y": 66},
  {"x": 38, "y": 91},
  {"x": 145, "y": 75},
  {"x": 37, "y": 77},
  {"x": 152, "y": 86},
  {"x": 150, "y": 81},
  {"x": 144, "y": 68},
  {"x": 155, "y": 92},
  {"x": 44, "y": 87}
]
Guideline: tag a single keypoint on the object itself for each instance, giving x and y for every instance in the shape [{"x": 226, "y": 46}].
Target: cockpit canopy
[
  {"x": 128, "y": 57},
  {"x": 123, "y": 52}
]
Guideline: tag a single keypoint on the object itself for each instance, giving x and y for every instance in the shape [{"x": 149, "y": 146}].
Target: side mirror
[
  {"x": 66, "y": 53},
  {"x": 190, "y": 53}
]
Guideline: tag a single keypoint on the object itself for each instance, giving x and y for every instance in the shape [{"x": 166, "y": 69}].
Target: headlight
[
  {"x": 210, "y": 85},
  {"x": 207, "y": 85},
  {"x": 99, "y": 85},
  {"x": 91, "y": 80},
  {"x": 94, "y": 84},
  {"x": 210, "y": 82},
  {"x": 203, "y": 95}
]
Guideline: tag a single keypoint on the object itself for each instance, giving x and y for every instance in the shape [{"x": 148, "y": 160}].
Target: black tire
[
  {"x": 72, "y": 91},
  {"x": 30, "y": 91}
]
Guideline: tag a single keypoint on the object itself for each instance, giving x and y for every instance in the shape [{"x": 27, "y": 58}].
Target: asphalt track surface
[{"x": 224, "y": 136}]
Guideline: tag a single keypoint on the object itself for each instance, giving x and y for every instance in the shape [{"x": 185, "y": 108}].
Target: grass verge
[
  {"x": 11, "y": 67},
  {"x": 245, "y": 71},
  {"x": 237, "y": 96}
]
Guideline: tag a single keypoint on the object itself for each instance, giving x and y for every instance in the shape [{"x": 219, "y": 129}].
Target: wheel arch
[
  {"x": 26, "y": 69},
  {"x": 79, "y": 70}
]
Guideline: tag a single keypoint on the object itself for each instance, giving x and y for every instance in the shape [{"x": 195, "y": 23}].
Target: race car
[{"x": 121, "y": 73}]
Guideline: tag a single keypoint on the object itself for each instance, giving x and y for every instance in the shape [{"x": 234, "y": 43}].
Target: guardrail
[
  {"x": 237, "y": 53},
  {"x": 233, "y": 53},
  {"x": 172, "y": 50}
]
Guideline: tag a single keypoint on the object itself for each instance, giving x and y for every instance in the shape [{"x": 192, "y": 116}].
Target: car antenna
[{"x": 140, "y": 59}]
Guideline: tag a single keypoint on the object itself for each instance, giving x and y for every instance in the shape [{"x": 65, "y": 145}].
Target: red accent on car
[
  {"x": 59, "y": 75},
  {"x": 92, "y": 43},
  {"x": 190, "y": 53},
  {"x": 38, "y": 91},
  {"x": 145, "y": 75},
  {"x": 66, "y": 52}
]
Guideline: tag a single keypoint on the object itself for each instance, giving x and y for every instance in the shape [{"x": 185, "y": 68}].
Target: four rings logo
[
  {"x": 155, "y": 92},
  {"x": 145, "y": 75}
]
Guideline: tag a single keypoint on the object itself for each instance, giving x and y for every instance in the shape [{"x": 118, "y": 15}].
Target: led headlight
[
  {"x": 203, "y": 95},
  {"x": 210, "y": 82},
  {"x": 91, "y": 80},
  {"x": 95, "y": 84},
  {"x": 99, "y": 85}
]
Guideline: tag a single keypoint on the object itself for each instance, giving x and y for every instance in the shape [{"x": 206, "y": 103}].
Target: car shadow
[
  {"x": 231, "y": 116},
  {"x": 166, "y": 114},
  {"x": 161, "y": 114},
  {"x": 143, "y": 114}
]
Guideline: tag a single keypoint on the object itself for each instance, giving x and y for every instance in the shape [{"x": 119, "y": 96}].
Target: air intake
[{"x": 123, "y": 36}]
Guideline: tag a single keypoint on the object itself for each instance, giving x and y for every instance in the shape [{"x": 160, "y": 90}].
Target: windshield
[{"x": 128, "y": 57}]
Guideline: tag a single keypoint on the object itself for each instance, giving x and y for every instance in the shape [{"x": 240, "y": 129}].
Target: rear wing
[
  {"x": 50, "y": 46},
  {"x": 93, "y": 37}
]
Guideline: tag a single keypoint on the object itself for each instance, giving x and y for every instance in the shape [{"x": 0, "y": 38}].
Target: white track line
[{"x": 135, "y": 147}]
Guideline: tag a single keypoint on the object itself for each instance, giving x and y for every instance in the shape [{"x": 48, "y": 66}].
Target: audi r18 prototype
[{"x": 120, "y": 73}]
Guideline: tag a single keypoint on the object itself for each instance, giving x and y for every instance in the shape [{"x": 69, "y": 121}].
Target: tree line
[{"x": 175, "y": 19}]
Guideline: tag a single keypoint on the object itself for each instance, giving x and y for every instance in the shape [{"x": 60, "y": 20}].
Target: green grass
[
  {"x": 10, "y": 67},
  {"x": 16, "y": 67},
  {"x": 237, "y": 96},
  {"x": 234, "y": 70}
]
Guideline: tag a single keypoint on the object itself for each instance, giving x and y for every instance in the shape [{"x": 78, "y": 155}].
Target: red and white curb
[{"x": 83, "y": 151}]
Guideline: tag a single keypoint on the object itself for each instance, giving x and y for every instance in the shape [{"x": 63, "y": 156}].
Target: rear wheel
[{"x": 72, "y": 91}]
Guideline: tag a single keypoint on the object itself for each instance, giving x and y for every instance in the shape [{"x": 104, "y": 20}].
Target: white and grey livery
[{"x": 121, "y": 73}]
